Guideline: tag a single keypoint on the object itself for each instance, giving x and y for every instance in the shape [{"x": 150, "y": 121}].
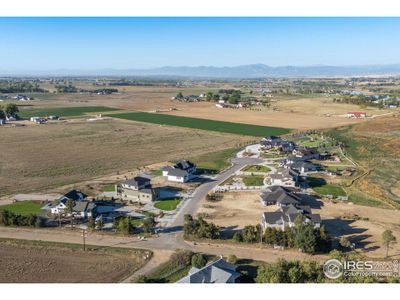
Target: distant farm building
[{"x": 356, "y": 114}]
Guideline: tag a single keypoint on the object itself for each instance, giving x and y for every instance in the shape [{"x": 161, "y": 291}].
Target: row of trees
[
  {"x": 198, "y": 228},
  {"x": 303, "y": 237},
  {"x": 20, "y": 87},
  {"x": 8, "y": 218},
  {"x": 8, "y": 110},
  {"x": 284, "y": 271}
]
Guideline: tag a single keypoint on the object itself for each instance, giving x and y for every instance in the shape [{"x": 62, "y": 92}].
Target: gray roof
[
  {"x": 176, "y": 172},
  {"x": 137, "y": 181},
  {"x": 75, "y": 195},
  {"x": 82, "y": 206},
  {"x": 218, "y": 271},
  {"x": 281, "y": 195},
  {"x": 289, "y": 214}
]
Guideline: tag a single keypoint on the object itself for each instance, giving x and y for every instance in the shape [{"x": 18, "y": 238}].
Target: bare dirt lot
[
  {"x": 41, "y": 262},
  {"x": 236, "y": 209},
  {"x": 37, "y": 158}
]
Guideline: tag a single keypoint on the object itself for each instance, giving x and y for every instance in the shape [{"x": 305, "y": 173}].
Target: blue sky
[{"x": 123, "y": 43}]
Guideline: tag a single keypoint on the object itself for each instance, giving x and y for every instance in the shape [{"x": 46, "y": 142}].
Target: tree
[
  {"x": 179, "y": 95},
  {"x": 289, "y": 237},
  {"x": 181, "y": 258},
  {"x": 232, "y": 259},
  {"x": 344, "y": 242},
  {"x": 2, "y": 114},
  {"x": 91, "y": 223},
  {"x": 305, "y": 239},
  {"x": 70, "y": 204},
  {"x": 209, "y": 96},
  {"x": 149, "y": 224},
  {"x": 123, "y": 225},
  {"x": 11, "y": 110},
  {"x": 237, "y": 237},
  {"x": 249, "y": 234},
  {"x": 388, "y": 238},
  {"x": 198, "y": 261}
]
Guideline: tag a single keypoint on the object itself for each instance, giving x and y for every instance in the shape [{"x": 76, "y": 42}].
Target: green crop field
[
  {"x": 62, "y": 111},
  {"x": 220, "y": 126},
  {"x": 23, "y": 208}
]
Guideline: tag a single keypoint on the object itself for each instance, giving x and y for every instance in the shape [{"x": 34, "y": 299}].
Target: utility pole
[
  {"x": 84, "y": 239},
  {"x": 59, "y": 218}
]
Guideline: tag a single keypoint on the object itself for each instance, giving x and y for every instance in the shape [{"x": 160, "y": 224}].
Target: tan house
[{"x": 136, "y": 189}]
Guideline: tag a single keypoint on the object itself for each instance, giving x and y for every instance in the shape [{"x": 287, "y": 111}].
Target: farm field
[
  {"x": 63, "y": 111},
  {"x": 228, "y": 127},
  {"x": 37, "y": 158},
  {"x": 47, "y": 262},
  {"x": 293, "y": 112}
]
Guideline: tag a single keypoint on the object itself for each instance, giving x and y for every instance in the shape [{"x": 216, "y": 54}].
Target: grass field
[
  {"x": 23, "y": 208},
  {"x": 253, "y": 180},
  {"x": 204, "y": 124},
  {"x": 321, "y": 187},
  {"x": 63, "y": 111},
  {"x": 81, "y": 151},
  {"x": 167, "y": 204},
  {"x": 214, "y": 162},
  {"x": 375, "y": 147}
]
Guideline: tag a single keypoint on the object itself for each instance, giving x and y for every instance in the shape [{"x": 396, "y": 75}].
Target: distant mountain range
[{"x": 237, "y": 72}]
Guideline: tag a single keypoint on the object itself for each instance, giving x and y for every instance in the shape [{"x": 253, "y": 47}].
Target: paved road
[{"x": 192, "y": 205}]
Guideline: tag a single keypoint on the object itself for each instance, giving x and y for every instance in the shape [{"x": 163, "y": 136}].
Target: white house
[{"x": 183, "y": 171}]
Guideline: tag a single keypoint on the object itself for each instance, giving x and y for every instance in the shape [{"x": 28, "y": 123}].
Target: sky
[{"x": 141, "y": 43}]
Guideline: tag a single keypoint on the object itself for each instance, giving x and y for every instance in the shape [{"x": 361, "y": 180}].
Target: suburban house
[
  {"x": 303, "y": 167},
  {"x": 84, "y": 209},
  {"x": 183, "y": 171},
  {"x": 136, "y": 189},
  {"x": 356, "y": 114},
  {"x": 218, "y": 271},
  {"x": 59, "y": 205},
  {"x": 280, "y": 196},
  {"x": 274, "y": 142},
  {"x": 285, "y": 177},
  {"x": 286, "y": 216},
  {"x": 306, "y": 153}
]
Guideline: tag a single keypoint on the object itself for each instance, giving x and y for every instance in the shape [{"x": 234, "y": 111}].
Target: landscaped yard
[
  {"x": 321, "y": 187},
  {"x": 256, "y": 168},
  {"x": 253, "y": 180},
  {"x": 63, "y": 111},
  {"x": 229, "y": 127},
  {"x": 167, "y": 204},
  {"x": 156, "y": 172},
  {"x": 109, "y": 188},
  {"x": 23, "y": 207},
  {"x": 214, "y": 162}
]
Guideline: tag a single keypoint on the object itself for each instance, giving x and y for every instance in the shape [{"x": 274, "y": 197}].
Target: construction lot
[
  {"x": 362, "y": 224},
  {"x": 44, "y": 262}
]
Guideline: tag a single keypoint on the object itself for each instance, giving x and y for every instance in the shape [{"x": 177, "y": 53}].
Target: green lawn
[
  {"x": 256, "y": 168},
  {"x": 156, "y": 172},
  {"x": 23, "y": 207},
  {"x": 253, "y": 180},
  {"x": 63, "y": 111},
  {"x": 228, "y": 127},
  {"x": 109, "y": 188},
  {"x": 214, "y": 162},
  {"x": 321, "y": 187},
  {"x": 168, "y": 204}
]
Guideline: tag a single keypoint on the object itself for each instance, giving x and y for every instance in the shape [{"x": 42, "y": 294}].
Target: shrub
[
  {"x": 181, "y": 258},
  {"x": 198, "y": 261},
  {"x": 232, "y": 259}
]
